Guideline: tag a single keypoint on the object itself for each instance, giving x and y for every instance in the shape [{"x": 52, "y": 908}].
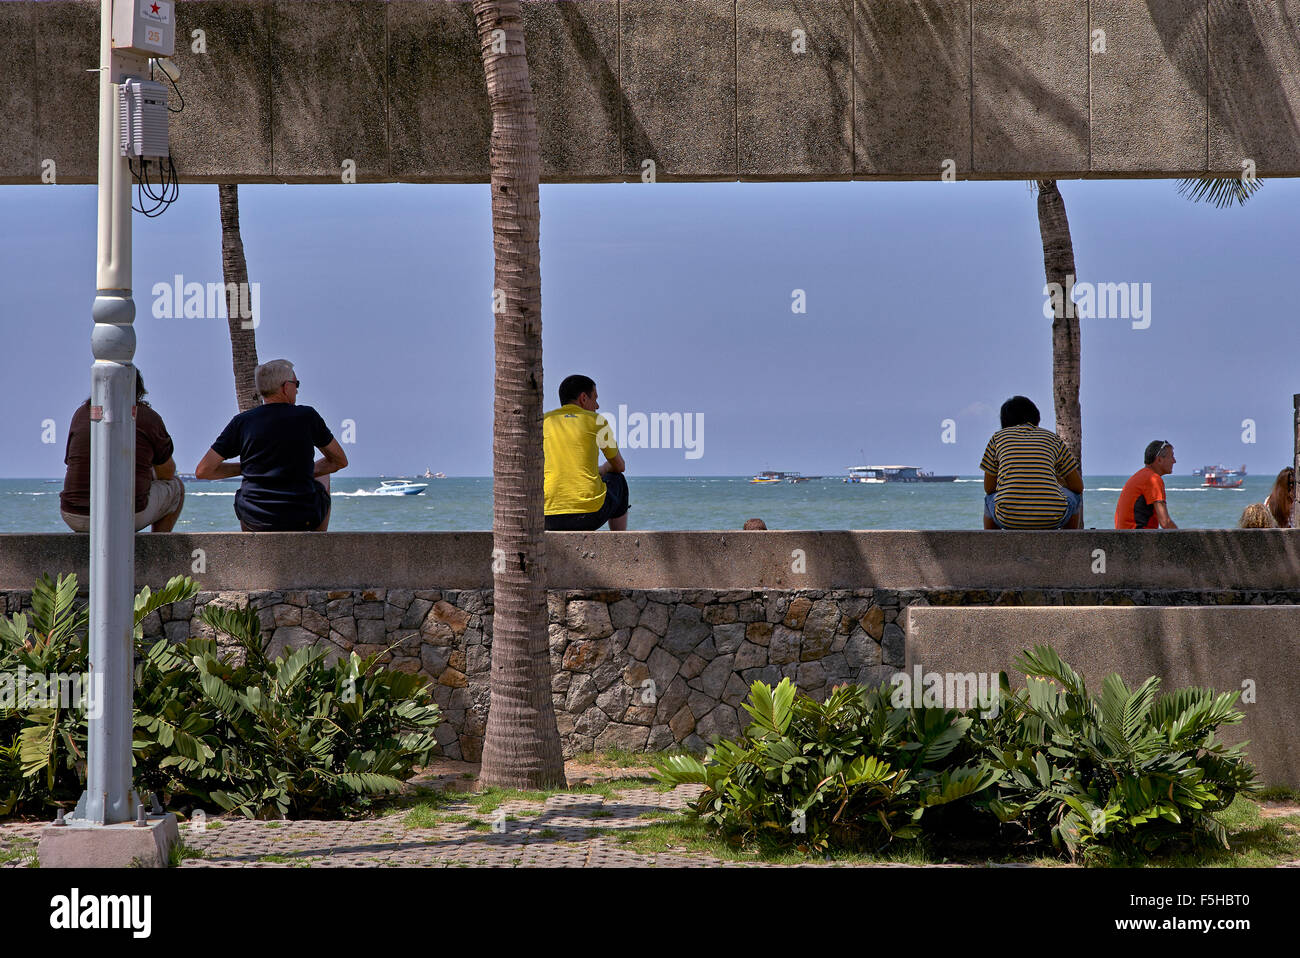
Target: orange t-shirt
[{"x": 1136, "y": 508}]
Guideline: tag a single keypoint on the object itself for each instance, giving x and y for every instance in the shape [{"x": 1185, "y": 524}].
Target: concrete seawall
[{"x": 655, "y": 637}]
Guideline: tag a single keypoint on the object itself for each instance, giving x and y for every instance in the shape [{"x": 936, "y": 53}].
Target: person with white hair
[{"x": 283, "y": 490}]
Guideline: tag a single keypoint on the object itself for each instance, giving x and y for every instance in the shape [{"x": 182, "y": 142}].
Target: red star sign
[{"x": 154, "y": 8}]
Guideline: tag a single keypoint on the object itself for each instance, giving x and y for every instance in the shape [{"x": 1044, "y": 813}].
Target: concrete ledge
[
  {"x": 109, "y": 846},
  {"x": 1221, "y": 648},
  {"x": 710, "y": 89},
  {"x": 1261, "y": 560}
]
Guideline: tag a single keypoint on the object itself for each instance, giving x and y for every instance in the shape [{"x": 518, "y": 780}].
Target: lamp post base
[{"x": 80, "y": 845}]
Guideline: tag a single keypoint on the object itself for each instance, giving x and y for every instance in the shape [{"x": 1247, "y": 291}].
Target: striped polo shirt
[{"x": 1031, "y": 464}]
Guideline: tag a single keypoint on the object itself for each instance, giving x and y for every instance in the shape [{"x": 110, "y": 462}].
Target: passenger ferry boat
[
  {"x": 894, "y": 474},
  {"x": 864, "y": 474},
  {"x": 767, "y": 477}
]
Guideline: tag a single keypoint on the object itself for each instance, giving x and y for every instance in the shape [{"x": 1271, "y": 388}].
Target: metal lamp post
[{"x": 108, "y": 798}]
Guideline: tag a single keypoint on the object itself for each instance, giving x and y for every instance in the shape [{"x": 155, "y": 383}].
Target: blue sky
[{"x": 924, "y": 303}]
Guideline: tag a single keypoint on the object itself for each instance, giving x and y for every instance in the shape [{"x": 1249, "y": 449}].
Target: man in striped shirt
[{"x": 1031, "y": 479}]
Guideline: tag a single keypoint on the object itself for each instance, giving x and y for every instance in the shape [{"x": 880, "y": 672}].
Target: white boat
[
  {"x": 864, "y": 474},
  {"x": 399, "y": 487}
]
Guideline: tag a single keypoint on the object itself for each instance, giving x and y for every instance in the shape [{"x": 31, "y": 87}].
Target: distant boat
[
  {"x": 894, "y": 474},
  {"x": 1214, "y": 479},
  {"x": 399, "y": 487},
  {"x": 768, "y": 476},
  {"x": 863, "y": 474},
  {"x": 433, "y": 475},
  {"x": 1221, "y": 471}
]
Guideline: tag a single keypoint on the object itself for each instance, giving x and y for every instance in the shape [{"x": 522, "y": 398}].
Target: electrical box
[
  {"x": 145, "y": 27},
  {"x": 143, "y": 106}
]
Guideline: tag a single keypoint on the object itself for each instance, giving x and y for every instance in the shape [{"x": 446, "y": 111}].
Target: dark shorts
[
  {"x": 295, "y": 516},
  {"x": 1073, "y": 502},
  {"x": 615, "y": 505}
]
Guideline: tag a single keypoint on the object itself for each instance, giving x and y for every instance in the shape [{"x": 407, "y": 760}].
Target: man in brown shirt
[{"x": 159, "y": 495}]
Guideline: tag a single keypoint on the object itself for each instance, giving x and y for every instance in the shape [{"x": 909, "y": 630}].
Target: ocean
[{"x": 706, "y": 502}]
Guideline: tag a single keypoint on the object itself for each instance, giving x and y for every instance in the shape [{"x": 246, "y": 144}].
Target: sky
[{"x": 924, "y": 312}]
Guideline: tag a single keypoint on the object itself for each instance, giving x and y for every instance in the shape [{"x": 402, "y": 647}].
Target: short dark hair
[
  {"x": 574, "y": 386},
  {"x": 753, "y": 524},
  {"x": 1153, "y": 450},
  {"x": 1018, "y": 410}
]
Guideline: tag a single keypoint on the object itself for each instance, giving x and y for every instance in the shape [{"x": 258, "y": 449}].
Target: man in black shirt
[{"x": 283, "y": 489}]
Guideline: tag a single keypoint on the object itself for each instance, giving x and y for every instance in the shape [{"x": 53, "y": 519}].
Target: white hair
[{"x": 271, "y": 376}]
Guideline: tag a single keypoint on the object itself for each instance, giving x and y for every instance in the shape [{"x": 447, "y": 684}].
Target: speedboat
[{"x": 399, "y": 487}]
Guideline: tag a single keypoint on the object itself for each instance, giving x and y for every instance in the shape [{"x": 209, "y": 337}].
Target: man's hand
[
  {"x": 335, "y": 459},
  {"x": 212, "y": 466},
  {"x": 1074, "y": 482},
  {"x": 613, "y": 465},
  {"x": 165, "y": 471},
  {"x": 1162, "y": 516},
  {"x": 990, "y": 482}
]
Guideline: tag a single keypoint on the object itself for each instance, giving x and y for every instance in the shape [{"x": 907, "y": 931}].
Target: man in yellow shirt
[{"x": 581, "y": 493}]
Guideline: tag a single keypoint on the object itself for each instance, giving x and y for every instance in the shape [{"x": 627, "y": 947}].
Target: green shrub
[
  {"x": 1051, "y": 765},
  {"x": 43, "y": 750},
  {"x": 269, "y": 738},
  {"x": 260, "y": 737},
  {"x": 850, "y": 772},
  {"x": 1131, "y": 770}
]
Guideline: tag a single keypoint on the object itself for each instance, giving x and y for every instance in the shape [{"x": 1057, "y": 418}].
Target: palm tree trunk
[
  {"x": 1058, "y": 265},
  {"x": 521, "y": 747},
  {"x": 243, "y": 341}
]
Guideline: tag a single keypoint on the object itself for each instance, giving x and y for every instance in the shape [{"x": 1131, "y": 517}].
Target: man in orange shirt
[{"x": 1142, "y": 500}]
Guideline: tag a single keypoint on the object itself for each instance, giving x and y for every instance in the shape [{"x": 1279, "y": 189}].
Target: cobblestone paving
[{"x": 567, "y": 830}]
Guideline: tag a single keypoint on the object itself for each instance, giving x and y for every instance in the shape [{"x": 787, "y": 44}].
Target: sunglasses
[{"x": 295, "y": 382}]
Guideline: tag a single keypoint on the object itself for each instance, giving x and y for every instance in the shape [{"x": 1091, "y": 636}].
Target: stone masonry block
[
  {"x": 678, "y": 77},
  {"x": 1030, "y": 66},
  {"x": 794, "y": 95},
  {"x": 1149, "y": 90},
  {"x": 912, "y": 101},
  {"x": 328, "y": 62}
]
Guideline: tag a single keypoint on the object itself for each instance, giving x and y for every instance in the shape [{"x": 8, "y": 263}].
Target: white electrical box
[
  {"x": 143, "y": 105},
  {"x": 145, "y": 27}
]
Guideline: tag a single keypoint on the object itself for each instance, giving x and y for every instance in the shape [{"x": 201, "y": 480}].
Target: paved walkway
[{"x": 567, "y": 830}]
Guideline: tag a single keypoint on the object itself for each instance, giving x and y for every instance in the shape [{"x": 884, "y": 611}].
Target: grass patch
[
  {"x": 601, "y": 813},
  {"x": 548, "y": 833},
  {"x": 1280, "y": 794},
  {"x": 17, "y": 850},
  {"x": 687, "y": 836},
  {"x": 270, "y": 824},
  {"x": 277, "y": 859},
  {"x": 180, "y": 851},
  {"x": 1256, "y": 842}
]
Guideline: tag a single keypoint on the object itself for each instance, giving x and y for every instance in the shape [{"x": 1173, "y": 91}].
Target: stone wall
[{"x": 632, "y": 669}]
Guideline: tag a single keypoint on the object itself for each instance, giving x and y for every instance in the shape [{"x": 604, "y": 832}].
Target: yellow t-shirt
[{"x": 571, "y": 436}]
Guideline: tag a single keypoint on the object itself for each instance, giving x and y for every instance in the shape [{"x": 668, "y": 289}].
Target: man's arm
[
  {"x": 1162, "y": 516},
  {"x": 614, "y": 464},
  {"x": 1074, "y": 482},
  {"x": 334, "y": 460},
  {"x": 166, "y": 470},
  {"x": 212, "y": 466},
  {"x": 990, "y": 482}
]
